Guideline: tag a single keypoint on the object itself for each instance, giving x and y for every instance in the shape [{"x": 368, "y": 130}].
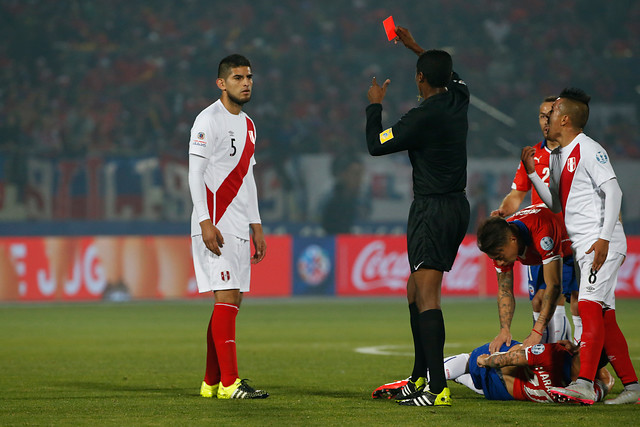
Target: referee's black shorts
[{"x": 437, "y": 224}]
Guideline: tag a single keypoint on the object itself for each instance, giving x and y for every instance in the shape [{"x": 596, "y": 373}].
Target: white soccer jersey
[
  {"x": 227, "y": 141},
  {"x": 577, "y": 172}
]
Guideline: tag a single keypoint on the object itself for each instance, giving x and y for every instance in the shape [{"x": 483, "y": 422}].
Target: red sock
[
  {"x": 592, "y": 339},
  {"x": 212, "y": 371},
  {"x": 615, "y": 345},
  {"x": 224, "y": 336}
]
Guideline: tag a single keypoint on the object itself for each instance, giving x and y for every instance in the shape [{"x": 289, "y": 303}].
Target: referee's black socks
[
  {"x": 432, "y": 336},
  {"x": 419, "y": 362}
]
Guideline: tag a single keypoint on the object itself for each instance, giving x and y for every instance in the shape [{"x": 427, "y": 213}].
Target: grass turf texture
[{"x": 142, "y": 364}]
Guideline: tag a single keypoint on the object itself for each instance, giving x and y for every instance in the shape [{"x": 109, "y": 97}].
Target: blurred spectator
[
  {"x": 125, "y": 77},
  {"x": 345, "y": 204}
]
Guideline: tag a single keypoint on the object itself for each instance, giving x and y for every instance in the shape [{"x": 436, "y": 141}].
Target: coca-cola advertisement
[{"x": 378, "y": 265}]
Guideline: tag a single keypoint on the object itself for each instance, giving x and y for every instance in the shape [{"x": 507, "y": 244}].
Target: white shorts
[
  {"x": 230, "y": 270},
  {"x": 601, "y": 286}
]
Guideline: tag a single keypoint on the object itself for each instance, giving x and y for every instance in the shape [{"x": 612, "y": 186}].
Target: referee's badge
[{"x": 386, "y": 135}]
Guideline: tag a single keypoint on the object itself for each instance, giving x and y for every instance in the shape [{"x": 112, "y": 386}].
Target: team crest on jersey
[
  {"x": 252, "y": 136},
  {"x": 386, "y": 135},
  {"x": 571, "y": 164},
  {"x": 546, "y": 243},
  {"x": 602, "y": 157},
  {"x": 537, "y": 349}
]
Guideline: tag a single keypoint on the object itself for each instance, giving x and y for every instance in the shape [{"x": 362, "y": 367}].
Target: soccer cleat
[
  {"x": 412, "y": 389},
  {"x": 627, "y": 396},
  {"x": 207, "y": 390},
  {"x": 240, "y": 390},
  {"x": 389, "y": 390},
  {"x": 429, "y": 399},
  {"x": 581, "y": 392}
]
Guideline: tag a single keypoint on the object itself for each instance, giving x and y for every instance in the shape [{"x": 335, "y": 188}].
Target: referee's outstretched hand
[
  {"x": 405, "y": 37},
  {"x": 376, "y": 92}
]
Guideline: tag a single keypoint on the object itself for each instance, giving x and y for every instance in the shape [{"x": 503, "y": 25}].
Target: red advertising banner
[
  {"x": 378, "y": 265},
  {"x": 83, "y": 268}
]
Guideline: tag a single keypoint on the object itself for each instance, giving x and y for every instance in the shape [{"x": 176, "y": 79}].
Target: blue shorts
[
  {"x": 569, "y": 281},
  {"x": 489, "y": 380}
]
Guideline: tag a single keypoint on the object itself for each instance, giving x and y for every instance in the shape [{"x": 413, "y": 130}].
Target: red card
[{"x": 390, "y": 28}]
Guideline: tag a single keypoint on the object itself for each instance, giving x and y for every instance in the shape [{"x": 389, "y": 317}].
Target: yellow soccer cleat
[
  {"x": 240, "y": 390},
  {"x": 429, "y": 399},
  {"x": 207, "y": 390}
]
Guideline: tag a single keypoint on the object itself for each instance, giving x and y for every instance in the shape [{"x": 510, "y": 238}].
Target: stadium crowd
[{"x": 127, "y": 77}]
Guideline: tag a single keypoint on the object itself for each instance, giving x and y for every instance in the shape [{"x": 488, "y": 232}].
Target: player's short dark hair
[
  {"x": 550, "y": 98},
  {"x": 493, "y": 234},
  {"x": 436, "y": 66},
  {"x": 229, "y": 62},
  {"x": 576, "y": 106}
]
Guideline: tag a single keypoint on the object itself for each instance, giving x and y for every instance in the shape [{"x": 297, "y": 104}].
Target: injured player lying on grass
[{"x": 514, "y": 373}]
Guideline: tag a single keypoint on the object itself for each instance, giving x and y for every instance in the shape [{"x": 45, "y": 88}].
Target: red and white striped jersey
[
  {"x": 227, "y": 141},
  {"x": 577, "y": 172}
]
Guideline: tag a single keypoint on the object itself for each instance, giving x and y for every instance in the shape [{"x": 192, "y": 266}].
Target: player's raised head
[
  {"x": 436, "y": 66},
  {"x": 230, "y": 62}
]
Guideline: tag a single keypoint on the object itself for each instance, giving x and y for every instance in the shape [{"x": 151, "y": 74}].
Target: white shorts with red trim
[
  {"x": 230, "y": 270},
  {"x": 600, "y": 286}
]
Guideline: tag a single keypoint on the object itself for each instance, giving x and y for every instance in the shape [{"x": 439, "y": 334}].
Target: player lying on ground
[{"x": 516, "y": 373}]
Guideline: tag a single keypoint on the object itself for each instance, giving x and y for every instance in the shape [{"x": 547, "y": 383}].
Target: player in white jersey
[
  {"x": 225, "y": 209},
  {"x": 584, "y": 187}
]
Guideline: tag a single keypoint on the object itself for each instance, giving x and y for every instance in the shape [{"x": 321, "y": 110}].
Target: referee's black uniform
[{"x": 435, "y": 135}]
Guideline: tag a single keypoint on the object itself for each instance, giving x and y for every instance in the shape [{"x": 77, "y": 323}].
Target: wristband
[{"x": 533, "y": 330}]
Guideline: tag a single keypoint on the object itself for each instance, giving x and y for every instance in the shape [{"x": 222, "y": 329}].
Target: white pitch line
[{"x": 393, "y": 350}]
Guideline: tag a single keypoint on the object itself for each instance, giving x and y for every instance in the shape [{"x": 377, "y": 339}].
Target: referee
[{"x": 435, "y": 136}]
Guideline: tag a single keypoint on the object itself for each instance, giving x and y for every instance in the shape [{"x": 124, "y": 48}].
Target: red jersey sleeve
[
  {"x": 521, "y": 181},
  {"x": 547, "y": 236}
]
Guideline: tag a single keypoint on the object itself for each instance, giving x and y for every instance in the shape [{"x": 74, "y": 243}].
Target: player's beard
[{"x": 238, "y": 101}]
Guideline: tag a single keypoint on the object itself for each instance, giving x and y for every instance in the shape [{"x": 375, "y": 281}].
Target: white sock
[
  {"x": 559, "y": 328},
  {"x": 466, "y": 380},
  {"x": 455, "y": 366},
  {"x": 577, "y": 329}
]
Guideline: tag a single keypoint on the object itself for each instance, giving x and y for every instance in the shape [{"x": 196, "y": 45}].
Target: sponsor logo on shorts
[
  {"x": 602, "y": 157},
  {"x": 546, "y": 243},
  {"x": 386, "y": 135},
  {"x": 537, "y": 349}
]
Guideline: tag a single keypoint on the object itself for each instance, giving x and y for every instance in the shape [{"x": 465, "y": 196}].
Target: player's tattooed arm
[
  {"x": 502, "y": 359},
  {"x": 506, "y": 308}
]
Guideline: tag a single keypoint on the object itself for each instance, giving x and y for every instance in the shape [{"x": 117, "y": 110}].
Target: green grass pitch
[{"x": 142, "y": 363}]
